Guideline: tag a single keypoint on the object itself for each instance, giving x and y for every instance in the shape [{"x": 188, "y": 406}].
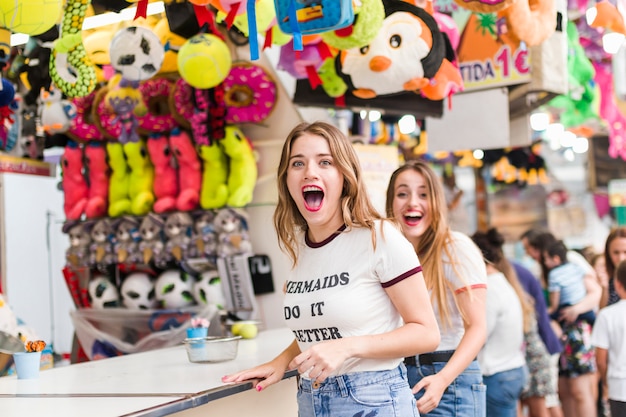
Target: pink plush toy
[
  {"x": 189, "y": 170},
  {"x": 74, "y": 184},
  {"x": 98, "y": 175},
  {"x": 165, "y": 173}
]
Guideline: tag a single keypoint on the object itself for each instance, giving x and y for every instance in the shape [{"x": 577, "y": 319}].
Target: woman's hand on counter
[{"x": 269, "y": 373}]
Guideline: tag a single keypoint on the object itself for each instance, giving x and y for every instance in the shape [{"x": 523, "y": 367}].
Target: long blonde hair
[
  {"x": 433, "y": 244},
  {"x": 356, "y": 208}
]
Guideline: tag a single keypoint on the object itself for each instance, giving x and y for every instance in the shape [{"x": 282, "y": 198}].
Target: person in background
[
  {"x": 614, "y": 253},
  {"x": 609, "y": 338},
  {"x": 576, "y": 365},
  {"x": 548, "y": 404},
  {"x": 509, "y": 317},
  {"x": 598, "y": 263},
  {"x": 448, "y": 381},
  {"x": 566, "y": 285},
  {"x": 458, "y": 218},
  {"x": 355, "y": 298}
]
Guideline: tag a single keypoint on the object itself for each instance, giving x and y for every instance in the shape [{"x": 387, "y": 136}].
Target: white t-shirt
[
  {"x": 337, "y": 289},
  {"x": 504, "y": 348},
  {"x": 609, "y": 332},
  {"x": 469, "y": 263}
]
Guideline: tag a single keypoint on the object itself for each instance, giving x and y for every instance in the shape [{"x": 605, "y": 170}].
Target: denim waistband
[{"x": 356, "y": 379}]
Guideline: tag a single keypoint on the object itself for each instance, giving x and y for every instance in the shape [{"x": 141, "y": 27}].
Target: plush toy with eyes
[
  {"x": 242, "y": 172},
  {"x": 177, "y": 230},
  {"x": 151, "y": 245},
  {"x": 78, "y": 253},
  {"x": 126, "y": 246},
  {"x": 101, "y": 248},
  {"x": 141, "y": 178},
  {"x": 231, "y": 227}
]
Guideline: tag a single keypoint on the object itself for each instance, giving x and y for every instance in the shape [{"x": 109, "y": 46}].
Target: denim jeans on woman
[
  {"x": 464, "y": 397},
  {"x": 376, "y": 393},
  {"x": 503, "y": 391}
]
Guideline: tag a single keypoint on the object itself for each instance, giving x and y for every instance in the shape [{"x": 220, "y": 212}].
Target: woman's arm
[
  {"x": 419, "y": 334},
  {"x": 473, "y": 308},
  {"x": 268, "y": 373}
]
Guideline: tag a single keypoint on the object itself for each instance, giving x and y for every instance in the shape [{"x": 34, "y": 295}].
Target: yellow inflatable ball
[
  {"x": 32, "y": 17},
  {"x": 204, "y": 61}
]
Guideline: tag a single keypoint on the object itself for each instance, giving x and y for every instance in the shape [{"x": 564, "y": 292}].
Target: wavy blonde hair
[
  {"x": 434, "y": 243},
  {"x": 356, "y": 208}
]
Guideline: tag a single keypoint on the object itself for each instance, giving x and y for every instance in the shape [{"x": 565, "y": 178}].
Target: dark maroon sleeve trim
[{"x": 407, "y": 274}]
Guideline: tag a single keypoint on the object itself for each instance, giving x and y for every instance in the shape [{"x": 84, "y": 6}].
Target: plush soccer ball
[
  {"x": 103, "y": 293},
  {"x": 138, "y": 292},
  {"x": 137, "y": 53},
  {"x": 173, "y": 289},
  {"x": 207, "y": 289},
  {"x": 204, "y": 61}
]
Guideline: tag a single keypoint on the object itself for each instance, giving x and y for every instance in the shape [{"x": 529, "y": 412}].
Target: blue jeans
[
  {"x": 359, "y": 394},
  {"x": 503, "y": 391},
  {"x": 464, "y": 397}
]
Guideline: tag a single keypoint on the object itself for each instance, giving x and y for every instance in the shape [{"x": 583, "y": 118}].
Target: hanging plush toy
[
  {"x": 203, "y": 238},
  {"x": 151, "y": 245},
  {"x": 75, "y": 190},
  {"x": 98, "y": 180},
  {"x": 77, "y": 254},
  {"x": 126, "y": 246},
  {"x": 189, "y": 170},
  {"x": 177, "y": 230},
  {"x": 101, "y": 248},
  {"x": 368, "y": 19},
  {"x": 37, "y": 64},
  {"x": 125, "y": 101},
  {"x": 56, "y": 112},
  {"x": 165, "y": 187},
  {"x": 408, "y": 54},
  {"x": 119, "y": 180},
  {"x": 242, "y": 172},
  {"x": 214, "y": 191},
  {"x": 231, "y": 227},
  {"x": 141, "y": 178}
]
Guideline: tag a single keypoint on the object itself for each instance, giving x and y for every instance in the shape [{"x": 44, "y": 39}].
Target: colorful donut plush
[
  {"x": 181, "y": 102},
  {"x": 165, "y": 173},
  {"x": 189, "y": 170},
  {"x": 250, "y": 94},
  {"x": 83, "y": 127},
  {"x": 155, "y": 93},
  {"x": 530, "y": 21}
]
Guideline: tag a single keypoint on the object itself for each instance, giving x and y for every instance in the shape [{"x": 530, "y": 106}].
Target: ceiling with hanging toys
[{"x": 118, "y": 73}]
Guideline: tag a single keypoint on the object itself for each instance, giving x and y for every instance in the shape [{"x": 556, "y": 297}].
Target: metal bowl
[
  {"x": 8, "y": 346},
  {"x": 212, "y": 349}
]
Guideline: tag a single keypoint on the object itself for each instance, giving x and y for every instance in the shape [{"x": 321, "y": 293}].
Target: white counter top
[{"x": 163, "y": 381}]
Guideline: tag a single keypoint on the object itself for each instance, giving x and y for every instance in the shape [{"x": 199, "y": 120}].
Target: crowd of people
[{"x": 426, "y": 320}]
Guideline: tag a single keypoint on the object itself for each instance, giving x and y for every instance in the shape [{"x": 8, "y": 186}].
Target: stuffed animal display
[{"x": 159, "y": 241}]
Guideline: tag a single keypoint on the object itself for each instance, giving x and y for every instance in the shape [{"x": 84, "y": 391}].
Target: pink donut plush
[
  {"x": 82, "y": 127},
  {"x": 250, "y": 94},
  {"x": 181, "y": 103},
  {"x": 158, "y": 119}
]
